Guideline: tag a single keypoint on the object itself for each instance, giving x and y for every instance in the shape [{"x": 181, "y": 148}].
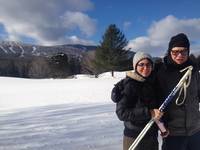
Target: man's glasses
[
  {"x": 148, "y": 65},
  {"x": 177, "y": 52}
]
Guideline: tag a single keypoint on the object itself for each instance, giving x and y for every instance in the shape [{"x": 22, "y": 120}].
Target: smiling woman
[
  {"x": 144, "y": 67},
  {"x": 137, "y": 106}
]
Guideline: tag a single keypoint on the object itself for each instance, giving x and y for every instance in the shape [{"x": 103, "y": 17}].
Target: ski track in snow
[
  {"x": 61, "y": 114},
  {"x": 61, "y": 127}
]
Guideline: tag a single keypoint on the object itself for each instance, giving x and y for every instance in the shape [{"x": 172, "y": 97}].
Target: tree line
[{"x": 56, "y": 66}]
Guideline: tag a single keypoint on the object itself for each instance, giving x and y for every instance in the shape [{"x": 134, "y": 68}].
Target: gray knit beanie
[{"x": 139, "y": 56}]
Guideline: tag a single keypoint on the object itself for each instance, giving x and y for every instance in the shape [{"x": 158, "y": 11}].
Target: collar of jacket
[
  {"x": 132, "y": 74},
  {"x": 173, "y": 66}
]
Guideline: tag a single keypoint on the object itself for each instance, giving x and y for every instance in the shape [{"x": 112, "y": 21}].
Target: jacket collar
[
  {"x": 173, "y": 66},
  {"x": 134, "y": 75}
]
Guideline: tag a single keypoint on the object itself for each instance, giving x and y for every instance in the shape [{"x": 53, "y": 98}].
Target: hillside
[
  {"x": 35, "y": 61},
  {"x": 17, "y": 49}
]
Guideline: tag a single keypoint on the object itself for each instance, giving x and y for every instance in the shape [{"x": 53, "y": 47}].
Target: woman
[
  {"x": 137, "y": 105},
  {"x": 182, "y": 116}
]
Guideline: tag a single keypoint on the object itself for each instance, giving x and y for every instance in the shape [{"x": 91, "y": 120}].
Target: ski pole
[{"x": 162, "y": 107}]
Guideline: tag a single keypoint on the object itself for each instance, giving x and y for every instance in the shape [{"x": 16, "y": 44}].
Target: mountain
[
  {"x": 58, "y": 61},
  {"x": 18, "y": 49},
  {"x": 36, "y": 61}
]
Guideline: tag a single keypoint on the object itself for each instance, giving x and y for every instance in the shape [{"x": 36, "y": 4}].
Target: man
[{"x": 182, "y": 116}]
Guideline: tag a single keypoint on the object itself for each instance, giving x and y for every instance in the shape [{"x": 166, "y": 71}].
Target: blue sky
[{"x": 147, "y": 24}]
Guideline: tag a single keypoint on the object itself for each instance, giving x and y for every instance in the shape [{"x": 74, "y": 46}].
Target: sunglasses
[
  {"x": 177, "y": 52},
  {"x": 148, "y": 65}
]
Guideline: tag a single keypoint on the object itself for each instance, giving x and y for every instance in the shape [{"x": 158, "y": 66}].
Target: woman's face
[
  {"x": 179, "y": 55},
  {"x": 144, "y": 67}
]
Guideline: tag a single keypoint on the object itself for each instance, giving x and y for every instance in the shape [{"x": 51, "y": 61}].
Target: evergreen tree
[
  {"x": 110, "y": 55},
  {"x": 198, "y": 61}
]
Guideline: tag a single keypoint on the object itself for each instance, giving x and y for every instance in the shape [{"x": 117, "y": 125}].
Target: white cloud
[
  {"x": 160, "y": 32},
  {"x": 75, "y": 39},
  {"x": 67, "y": 40},
  {"x": 126, "y": 25},
  {"x": 71, "y": 20},
  {"x": 46, "y": 21}
]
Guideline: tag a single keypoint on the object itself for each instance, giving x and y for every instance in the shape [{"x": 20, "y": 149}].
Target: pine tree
[{"x": 110, "y": 55}]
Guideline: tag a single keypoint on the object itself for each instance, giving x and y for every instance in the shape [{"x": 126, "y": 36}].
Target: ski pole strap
[
  {"x": 182, "y": 81},
  {"x": 184, "y": 88},
  {"x": 160, "y": 126}
]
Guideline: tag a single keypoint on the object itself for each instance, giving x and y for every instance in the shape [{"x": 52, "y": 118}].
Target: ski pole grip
[{"x": 161, "y": 126}]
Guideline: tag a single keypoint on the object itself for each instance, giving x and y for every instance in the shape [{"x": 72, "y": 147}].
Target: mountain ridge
[{"x": 19, "y": 49}]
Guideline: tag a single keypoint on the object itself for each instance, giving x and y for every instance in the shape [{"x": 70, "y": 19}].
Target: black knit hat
[{"x": 179, "y": 40}]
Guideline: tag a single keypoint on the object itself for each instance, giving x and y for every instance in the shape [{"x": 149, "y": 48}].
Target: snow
[
  {"x": 20, "y": 93},
  {"x": 59, "y": 114},
  {"x": 1, "y": 47}
]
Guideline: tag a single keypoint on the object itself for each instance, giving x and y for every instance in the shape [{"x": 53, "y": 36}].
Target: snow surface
[{"x": 59, "y": 114}]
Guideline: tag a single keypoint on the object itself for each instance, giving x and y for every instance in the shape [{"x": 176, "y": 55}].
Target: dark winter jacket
[
  {"x": 181, "y": 120},
  {"x": 134, "y": 106}
]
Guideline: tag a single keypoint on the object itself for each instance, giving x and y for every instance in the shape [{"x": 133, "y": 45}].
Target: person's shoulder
[
  {"x": 194, "y": 64},
  {"x": 158, "y": 65},
  {"x": 128, "y": 79},
  {"x": 127, "y": 82},
  {"x": 124, "y": 82}
]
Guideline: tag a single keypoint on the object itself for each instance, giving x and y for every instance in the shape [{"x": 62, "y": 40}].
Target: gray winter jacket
[{"x": 181, "y": 120}]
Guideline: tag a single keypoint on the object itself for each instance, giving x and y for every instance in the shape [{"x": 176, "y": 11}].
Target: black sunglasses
[{"x": 177, "y": 52}]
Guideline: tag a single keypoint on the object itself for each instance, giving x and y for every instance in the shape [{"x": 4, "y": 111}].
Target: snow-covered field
[{"x": 59, "y": 114}]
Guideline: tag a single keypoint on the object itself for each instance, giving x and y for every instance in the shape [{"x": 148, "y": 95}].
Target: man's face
[{"x": 179, "y": 55}]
